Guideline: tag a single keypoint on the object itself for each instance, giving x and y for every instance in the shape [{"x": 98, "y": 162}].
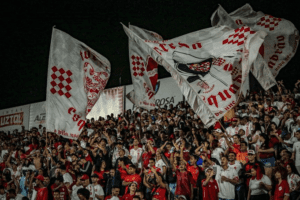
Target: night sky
[{"x": 28, "y": 26}]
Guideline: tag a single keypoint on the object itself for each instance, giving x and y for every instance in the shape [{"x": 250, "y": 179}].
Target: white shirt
[
  {"x": 67, "y": 178},
  {"x": 98, "y": 190},
  {"x": 216, "y": 153},
  {"x": 223, "y": 143},
  {"x": 74, "y": 195},
  {"x": 296, "y": 149},
  {"x": 136, "y": 156},
  {"x": 232, "y": 131},
  {"x": 160, "y": 164},
  {"x": 293, "y": 181},
  {"x": 227, "y": 190},
  {"x": 90, "y": 188},
  {"x": 256, "y": 189}
]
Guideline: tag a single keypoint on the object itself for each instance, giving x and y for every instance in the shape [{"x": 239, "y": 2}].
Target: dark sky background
[{"x": 28, "y": 27}]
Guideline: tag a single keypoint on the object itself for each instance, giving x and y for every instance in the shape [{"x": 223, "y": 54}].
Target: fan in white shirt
[
  {"x": 136, "y": 153},
  {"x": 296, "y": 151},
  {"x": 99, "y": 193}
]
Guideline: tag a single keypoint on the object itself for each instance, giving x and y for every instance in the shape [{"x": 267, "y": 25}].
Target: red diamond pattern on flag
[
  {"x": 235, "y": 71},
  {"x": 138, "y": 65},
  {"x": 239, "y": 37},
  {"x": 219, "y": 61},
  {"x": 203, "y": 67},
  {"x": 61, "y": 81},
  {"x": 269, "y": 22}
]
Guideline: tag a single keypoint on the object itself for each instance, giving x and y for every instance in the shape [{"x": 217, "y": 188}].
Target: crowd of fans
[{"x": 165, "y": 153}]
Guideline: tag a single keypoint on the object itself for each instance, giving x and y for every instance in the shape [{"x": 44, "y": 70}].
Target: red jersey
[
  {"x": 274, "y": 139},
  {"x": 64, "y": 193},
  {"x": 101, "y": 179},
  {"x": 184, "y": 181},
  {"x": 211, "y": 190},
  {"x": 237, "y": 148},
  {"x": 266, "y": 155},
  {"x": 123, "y": 172},
  {"x": 145, "y": 157},
  {"x": 194, "y": 171},
  {"x": 133, "y": 178},
  {"x": 42, "y": 193},
  {"x": 127, "y": 197},
  {"x": 281, "y": 190},
  {"x": 160, "y": 193}
]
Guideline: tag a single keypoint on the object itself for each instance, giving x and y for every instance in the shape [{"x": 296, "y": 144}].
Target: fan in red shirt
[
  {"x": 42, "y": 191},
  {"x": 210, "y": 188},
  {"x": 184, "y": 181},
  {"x": 59, "y": 185},
  {"x": 132, "y": 189},
  {"x": 192, "y": 167},
  {"x": 131, "y": 177},
  {"x": 100, "y": 173},
  {"x": 282, "y": 189}
]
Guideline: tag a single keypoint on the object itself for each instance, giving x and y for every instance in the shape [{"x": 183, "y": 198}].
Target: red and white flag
[
  {"x": 279, "y": 45},
  {"x": 143, "y": 70},
  {"x": 76, "y": 77},
  {"x": 206, "y": 65}
]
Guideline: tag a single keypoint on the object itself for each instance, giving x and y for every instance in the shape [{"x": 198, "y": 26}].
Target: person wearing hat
[
  {"x": 99, "y": 193},
  {"x": 210, "y": 188},
  {"x": 85, "y": 181},
  {"x": 42, "y": 191}
]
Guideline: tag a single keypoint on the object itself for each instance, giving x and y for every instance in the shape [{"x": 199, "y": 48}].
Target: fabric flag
[
  {"x": 206, "y": 65},
  {"x": 143, "y": 70},
  {"x": 76, "y": 76},
  {"x": 279, "y": 45}
]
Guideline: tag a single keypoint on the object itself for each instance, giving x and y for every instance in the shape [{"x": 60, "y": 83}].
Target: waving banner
[
  {"x": 76, "y": 76},
  {"x": 206, "y": 65},
  {"x": 143, "y": 70},
  {"x": 280, "y": 43}
]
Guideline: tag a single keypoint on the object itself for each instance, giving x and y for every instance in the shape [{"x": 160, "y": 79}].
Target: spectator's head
[
  {"x": 39, "y": 180},
  {"x": 95, "y": 178},
  {"x": 59, "y": 180},
  {"x": 132, "y": 169},
  {"x": 83, "y": 194},
  {"x": 151, "y": 162},
  {"x": 46, "y": 180},
  {"x": 236, "y": 139},
  {"x": 231, "y": 156},
  {"x": 297, "y": 135},
  {"x": 291, "y": 169},
  {"x": 224, "y": 161},
  {"x": 133, "y": 187},
  {"x": 244, "y": 146},
  {"x": 11, "y": 193},
  {"x": 140, "y": 193},
  {"x": 256, "y": 172},
  {"x": 136, "y": 198},
  {"x": 85, "y": 180},
  {"x": 280, "y": 173},
  {"x": 193, "y": 159},
  {"x": 2, "y": 191},
  {"x": 182, "y": 166},
  {"x": 56, "y": 195},
  {"x": 115, "y": 191}
]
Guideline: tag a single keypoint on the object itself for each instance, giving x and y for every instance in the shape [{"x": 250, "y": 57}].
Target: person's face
[
  {"x": 115, "y": 192},
  {"x": 121, "y": 153},
  {"x": 297, "y": 135},
  {"x": 95, "y": 180},
  {"x": 112, "y": 172},
  {"x": 253, "y": 172},
  {"x": 277, "y": 175},
  {"x": 151, "y": 163},
  {"x": 231, "y": 157},
  {"x": 182, "y": 165},
  {"x": 289, "y": 169},
  {"x": 46, "y": 180},
  {"x": 208, "y": 172},
  {"x": 103, "y": 164},
  {"x": 131, "y": 170},
  {"x": 169, "y": 147},
  {"x": 133, "y": 187},
  {"x": 236, "y": 139},
  {"x": 85, "y": 182},
  {"x": 2, "y": 191},
  {"x": 56, "y": 195},
  {"x": 267, "y": 119},
  {"x": 243, "y": 147},
  {"x": 41, "y": 172},
  {"x": 273, "y": 127},
  {"x": 224, "y": 161},
  {"x": 74, "y": 158},
  {"x": 192, "y": 160},
  {"x": 135, "y": 142}
]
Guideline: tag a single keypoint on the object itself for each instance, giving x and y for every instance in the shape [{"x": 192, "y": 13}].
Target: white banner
[
  {"x": 280, "y": 44},
  {"x": 143, "y": 70},
  {"x": 166, "y": 93},
  {"x": 14, "y": 118},
  {"x": 110, "y": 101},
  {"x": 206, "y": 65},
  {"x": 37, "y": 114},
  {"x": 76, "y": 76}
]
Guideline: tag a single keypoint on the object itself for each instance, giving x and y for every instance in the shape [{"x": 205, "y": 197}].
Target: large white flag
[
  {"x": 279, "y": 45},
  {"x": 76, "y": 76},
  {"x": 143, "y": 70},
  {"x": 206, "y": 65}
]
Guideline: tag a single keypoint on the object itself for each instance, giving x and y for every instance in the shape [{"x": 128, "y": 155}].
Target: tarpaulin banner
[
  {"x": 279, "y": 45},
  {"x": 110, "y": 101},
  {"x": 167, "y": 92},
  {"x": 14, "y": 118},
  {"x": 37, "y": 114},
  {"x": 206, "y": 65},
  {"x": 76, "y": 77},
  {"x": 143, "y": 70}
]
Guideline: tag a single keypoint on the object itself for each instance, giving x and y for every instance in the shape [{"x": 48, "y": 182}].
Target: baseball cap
[
  {"x": 84, "y": 177},
  {"x": 40, "y": 177},
  {"x": 251, "y": 151},
  {"x": 234, "y": 119}
]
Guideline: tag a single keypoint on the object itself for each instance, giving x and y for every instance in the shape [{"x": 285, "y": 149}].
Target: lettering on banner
[
  {"x": 165, "y": 47},
  {"x": 76, "y": 118},
  {"x": 222, "y": 95},
  {"x": 149, "y": 92},
  {"x": 12, "y": 119},
  {"x": 41, "y": 118},
  {"x": 274, "y": 58},
  {"x": 64, "y": 133},
  {"x": 164, "y": 101}
]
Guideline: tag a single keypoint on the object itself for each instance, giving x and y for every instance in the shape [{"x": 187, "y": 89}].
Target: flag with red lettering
[
  {"x": 206, "y": 65},
  {"x": 279, "y": 45},
  {"x": 143, "y": 70},
  {"x": 76, "y": 77}
]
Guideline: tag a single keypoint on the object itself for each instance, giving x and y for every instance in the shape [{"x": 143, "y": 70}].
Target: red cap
[
  {"x": 150, "y": 139},
  {"x": 40, "y": 177},
  {"x": 217, "y": 125},
  {"x": 234, "y": 119},
  {"x": 85, "y": 177}
]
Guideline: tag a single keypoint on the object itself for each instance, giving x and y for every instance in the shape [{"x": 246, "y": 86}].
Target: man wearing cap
[
  {"x": 85, "y": 180},
  {"x": 42, "y": 191},
  {"x": 99, "y": 193}
]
